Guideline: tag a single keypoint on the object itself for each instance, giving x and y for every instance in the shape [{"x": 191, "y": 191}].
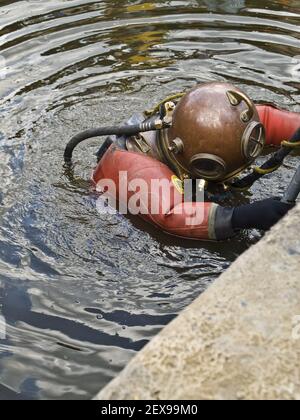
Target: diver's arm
[
  {"x": 260, "y": 215},
  {"x": 222, "y": 223},
  {"x": 165, "y": 210},
  {"x": 168, "y": 211},
  {"x": 191, "y": 220},
  {"x": 279, "y": 124}
]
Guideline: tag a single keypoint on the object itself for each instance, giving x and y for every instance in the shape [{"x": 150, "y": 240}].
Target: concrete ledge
[{"x": 238, "y": 340}]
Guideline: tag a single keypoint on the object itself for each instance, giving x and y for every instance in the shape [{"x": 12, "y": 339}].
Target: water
[{"x": 80, "y": 292}]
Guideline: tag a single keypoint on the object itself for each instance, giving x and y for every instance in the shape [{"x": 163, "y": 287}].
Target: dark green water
[{"x": 81, "y": 293}]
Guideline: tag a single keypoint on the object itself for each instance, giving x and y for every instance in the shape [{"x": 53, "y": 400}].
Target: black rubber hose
[
  {"x": 293, "y": 189},
  {"x": 126, "y": 130},
  {"x": 273, "y": 162}
]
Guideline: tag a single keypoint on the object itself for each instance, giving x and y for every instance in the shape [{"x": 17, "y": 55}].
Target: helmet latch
[{"x": 176, "y": 146}]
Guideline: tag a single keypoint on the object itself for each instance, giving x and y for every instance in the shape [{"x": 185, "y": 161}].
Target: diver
[{"x": 210, "y": 134}]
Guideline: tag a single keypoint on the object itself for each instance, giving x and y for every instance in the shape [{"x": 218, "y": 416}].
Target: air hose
[
  {"x": 126, "y": 130},
  {"x": 271, "y": 165}
]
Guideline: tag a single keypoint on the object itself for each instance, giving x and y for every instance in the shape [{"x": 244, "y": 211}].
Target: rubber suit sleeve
[
  {"x": 148, "y": 188},
  {"x": 279, "y": 124}
]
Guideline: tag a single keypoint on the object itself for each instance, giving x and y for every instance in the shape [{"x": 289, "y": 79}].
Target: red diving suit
[{"x": 215, "y": 222}]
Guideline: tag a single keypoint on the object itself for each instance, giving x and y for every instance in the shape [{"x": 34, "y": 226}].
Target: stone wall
[{"x": 239, "y": 340}]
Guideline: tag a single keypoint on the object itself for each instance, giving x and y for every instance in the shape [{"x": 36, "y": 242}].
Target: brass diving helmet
[{"x": 216, "y": 133}]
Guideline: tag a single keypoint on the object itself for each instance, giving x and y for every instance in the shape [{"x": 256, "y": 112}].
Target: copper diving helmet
[{"x": 216, "y": 133}]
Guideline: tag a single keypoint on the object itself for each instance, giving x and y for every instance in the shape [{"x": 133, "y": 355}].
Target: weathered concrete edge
[{"x": 238, "y": 340}]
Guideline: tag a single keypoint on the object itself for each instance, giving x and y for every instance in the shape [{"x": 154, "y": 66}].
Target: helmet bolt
[{"x": 176, "y": 146}]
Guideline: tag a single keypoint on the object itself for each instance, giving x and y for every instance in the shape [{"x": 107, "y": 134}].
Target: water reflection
[{"x": 226, "y": 6}]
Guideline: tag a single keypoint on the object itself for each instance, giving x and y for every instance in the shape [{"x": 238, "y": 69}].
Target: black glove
[{"x": 260, "y": 215}]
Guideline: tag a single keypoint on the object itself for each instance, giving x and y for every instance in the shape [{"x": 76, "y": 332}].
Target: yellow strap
[
  {"x": 150, "y": 112},
  {"x": 261, "y": 171},
  {"x": 285, "y": 143},
  {"x": 292, "y": 145},
  {"x": 240, "y": 189}
]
